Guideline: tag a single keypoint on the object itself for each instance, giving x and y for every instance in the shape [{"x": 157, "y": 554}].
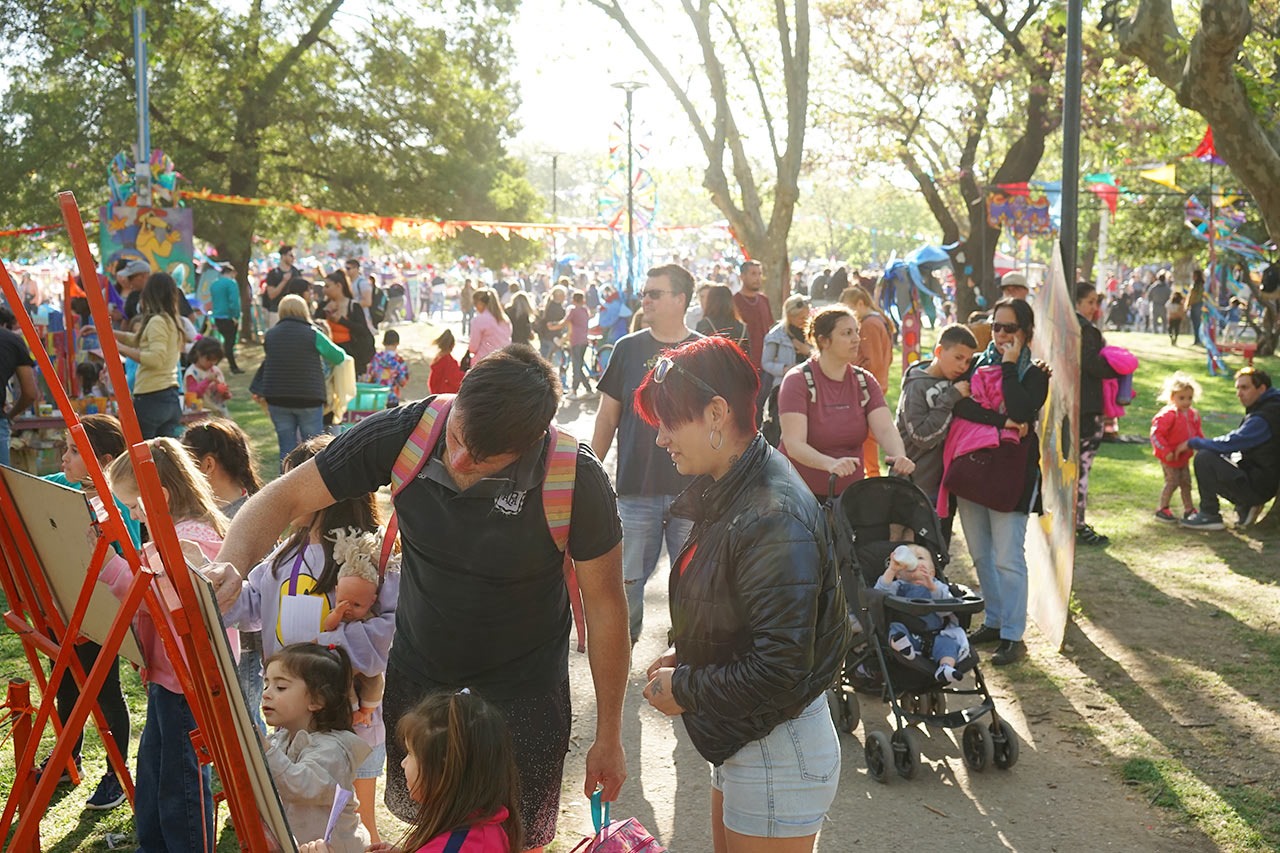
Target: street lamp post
[
  {"x": 555, "y": 249},
  {"x": 630, "y": 86}
]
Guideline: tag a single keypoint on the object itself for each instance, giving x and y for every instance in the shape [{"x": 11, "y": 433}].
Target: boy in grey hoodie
[{"x": 929, "y": 390}]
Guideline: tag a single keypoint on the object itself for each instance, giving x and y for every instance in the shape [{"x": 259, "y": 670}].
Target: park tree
[
  {"x": 287, "y": 100},
  {"x": 961, "y": 95},
  {"x": 741, "y": 48},
  {"x": 1223, "y": 65}
]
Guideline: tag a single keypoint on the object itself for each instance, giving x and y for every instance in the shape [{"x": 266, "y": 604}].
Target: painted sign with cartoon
[
  {"x": 163, "y": 236},
  {"x": 1051, "y": 543}
]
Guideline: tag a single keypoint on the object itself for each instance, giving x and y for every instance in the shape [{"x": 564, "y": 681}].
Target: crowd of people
[{"x": 446, "y": 668}]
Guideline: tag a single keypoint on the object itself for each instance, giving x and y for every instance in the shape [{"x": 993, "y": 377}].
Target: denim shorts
[
  {"x": 782, "y": 785},
  {"x": 372, "y": 767}
]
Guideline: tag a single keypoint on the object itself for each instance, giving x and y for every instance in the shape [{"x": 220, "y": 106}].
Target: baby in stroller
[{"x": 910, "y": 573}]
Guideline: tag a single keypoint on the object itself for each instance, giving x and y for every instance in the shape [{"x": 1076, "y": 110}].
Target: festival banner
[
  {"x": 1051, "y": 536},
  {"x": 163, "y": 236},
  {"x": 1013, "y": 207}
]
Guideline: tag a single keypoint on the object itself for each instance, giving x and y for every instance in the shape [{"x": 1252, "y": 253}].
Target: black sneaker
[
  {"x": 1248, "y": 515},
  {"x": 1010, "y": 651},
  {"x": 108, "y": 795},
  {"x": 64, "y": 778},
  {"x": 985, "y": 634},
  {"x": 1202, "y": 520},
  {"x": 1089, "y": 536}
]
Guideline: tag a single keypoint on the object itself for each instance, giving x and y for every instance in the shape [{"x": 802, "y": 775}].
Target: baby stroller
[{"x": 869, "y": 520}]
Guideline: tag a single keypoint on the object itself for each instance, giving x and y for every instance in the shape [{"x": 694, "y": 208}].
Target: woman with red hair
[{"x": 760, "y": 624}]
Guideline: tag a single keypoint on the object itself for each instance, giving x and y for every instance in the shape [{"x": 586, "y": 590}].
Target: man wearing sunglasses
[{"x": 647, "y": 481}]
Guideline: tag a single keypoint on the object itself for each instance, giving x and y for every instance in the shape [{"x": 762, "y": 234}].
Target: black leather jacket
[{"x": 760, "y": 623}]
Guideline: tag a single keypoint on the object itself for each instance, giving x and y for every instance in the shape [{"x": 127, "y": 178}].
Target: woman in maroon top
[{"x": 825, "y": 423}]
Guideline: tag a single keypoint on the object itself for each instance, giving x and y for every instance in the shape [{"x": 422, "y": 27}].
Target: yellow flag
[{"x": 1166, "y": 175}]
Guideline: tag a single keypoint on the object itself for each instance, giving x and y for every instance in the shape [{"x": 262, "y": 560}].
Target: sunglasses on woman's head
[
  {"x": 665, "y": 365},
  {"x": 1007, "y": 328}
]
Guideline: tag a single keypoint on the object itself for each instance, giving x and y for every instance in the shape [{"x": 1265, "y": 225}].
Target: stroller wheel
[
  {"x": 906, "y": 752},
  {"x": 1005, "y": 744},
  {"x": 879, "y": 754},
  {"x": 978, "y": 746},
  {"x": 844, "y": 708}
]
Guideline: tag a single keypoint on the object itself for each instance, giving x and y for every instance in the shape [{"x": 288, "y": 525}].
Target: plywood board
[
  {"x": 1051, "y": 538},
  {"x": 265, "y": 794},
  {"x": 57, "y": 520}
]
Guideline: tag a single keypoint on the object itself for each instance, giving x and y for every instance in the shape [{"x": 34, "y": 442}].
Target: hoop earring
[{"x": 716, "y": 445}]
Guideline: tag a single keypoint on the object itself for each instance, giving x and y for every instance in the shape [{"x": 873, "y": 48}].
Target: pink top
[
  {"x": 837, "y": 419},
  {"x": 116, "y": 575},
  {"x": 486, "y": 836},
  {"x": 579, "y": 318},
  {"x": 487, "y": 335}
]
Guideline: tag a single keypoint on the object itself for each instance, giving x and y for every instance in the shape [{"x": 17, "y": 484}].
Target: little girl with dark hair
[{"x": 313, "y": 751}]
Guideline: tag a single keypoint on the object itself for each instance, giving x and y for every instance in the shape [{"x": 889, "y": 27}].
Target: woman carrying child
[
  {"x": 173, "y": 797},
  {"x": 299, "y": 582},
  {"x": 996, "y": 538}
]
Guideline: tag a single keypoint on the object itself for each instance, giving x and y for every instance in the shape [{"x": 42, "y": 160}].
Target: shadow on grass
[{"x": 1218, "y": 758}]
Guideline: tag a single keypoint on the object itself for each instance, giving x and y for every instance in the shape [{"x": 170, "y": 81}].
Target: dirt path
[{"x": 1063, "y": 794}]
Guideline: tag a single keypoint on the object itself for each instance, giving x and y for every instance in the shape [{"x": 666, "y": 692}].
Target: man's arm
[
  {"x": 26, "y": 391},
  {"x": 259, "y": 522},
  {"x": 607, "y": 419},
  {"x": 609, "y": 650},
  {"x": 1254, "y": 432}
]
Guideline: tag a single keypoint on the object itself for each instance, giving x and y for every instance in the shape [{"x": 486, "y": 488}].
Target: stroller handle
[{"x": 831, "y": 487}]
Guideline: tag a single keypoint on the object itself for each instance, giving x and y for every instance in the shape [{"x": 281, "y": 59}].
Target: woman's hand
[
  {"x": 845, "y": 466},
  {"x": 666, "y": 659},
  {"x": 382, "y": 847},
  {"x": 226, "y": 581},
  {"x": 658, "y": 692},
  {"x": 1013, "y": 349},
  {"x": 900, "y": 465},
  {"x": 1023, "y": 429}
]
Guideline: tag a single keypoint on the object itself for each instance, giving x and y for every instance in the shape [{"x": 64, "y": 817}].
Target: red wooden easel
[{"x": 34, "y": 616}]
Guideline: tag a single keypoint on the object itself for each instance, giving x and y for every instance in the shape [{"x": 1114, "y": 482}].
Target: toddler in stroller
[
  {"x": 899, "y": 652},
  {"x": 937, "y": 635}
]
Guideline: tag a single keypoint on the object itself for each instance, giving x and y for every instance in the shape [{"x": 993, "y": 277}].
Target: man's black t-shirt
[
  {"x": 482, "y": 596},
  {"x": 553, "y": 313},
  {"x": 13, "y": 354},
  {"x": 643, "y": 467},
  {"x": 274, "y": 278}
]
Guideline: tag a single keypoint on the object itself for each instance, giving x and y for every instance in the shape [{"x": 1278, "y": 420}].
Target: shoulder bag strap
[{"x": 414, "y": 455}]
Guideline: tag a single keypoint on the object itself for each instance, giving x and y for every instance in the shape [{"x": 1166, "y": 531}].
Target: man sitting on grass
[{"x": 1244, "y": 465}]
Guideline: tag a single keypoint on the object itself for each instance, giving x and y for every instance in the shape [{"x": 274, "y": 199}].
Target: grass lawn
[{"x": 1170, "y": 674}]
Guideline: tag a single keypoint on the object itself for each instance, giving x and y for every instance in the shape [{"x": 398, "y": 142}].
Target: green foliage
[{"x": 407, "y": 113}]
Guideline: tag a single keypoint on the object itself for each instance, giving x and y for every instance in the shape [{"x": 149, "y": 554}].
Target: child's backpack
[{"x": 557, "y": 490}]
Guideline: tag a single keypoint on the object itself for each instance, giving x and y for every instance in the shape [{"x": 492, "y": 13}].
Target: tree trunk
[
  {"x": 1090, "y": 254},
  {"x": 973, "y": 264}
]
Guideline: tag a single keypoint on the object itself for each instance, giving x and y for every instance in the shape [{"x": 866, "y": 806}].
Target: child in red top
[
  {"x": 462, "y": 773},
  {"x": 1171, "y": 428},
  {"x": 445, "y": 375}
]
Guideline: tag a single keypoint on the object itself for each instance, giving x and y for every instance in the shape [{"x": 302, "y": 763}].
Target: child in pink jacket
[{"x": 1171, "y": 429}]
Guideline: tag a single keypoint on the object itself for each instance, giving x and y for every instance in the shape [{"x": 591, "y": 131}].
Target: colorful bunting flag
[{"x": 1166, "y": 176}]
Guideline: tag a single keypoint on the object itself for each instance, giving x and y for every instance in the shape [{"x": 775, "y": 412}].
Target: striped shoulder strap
[
  {"x": 557, "y": 485},
  {"x": 417, "y": 450}
]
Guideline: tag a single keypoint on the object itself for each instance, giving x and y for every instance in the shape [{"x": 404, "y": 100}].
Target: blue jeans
[
  {"x": 6, "y": 430},
  {"x": 159, "y": 413},
  {"x": 294, "y": 426},
  {"x": 173, "y": 809},
  {"x": 249, "y": 674},
  {"x": 645, "y": 524},
  {"x": 997, "y": 545}
]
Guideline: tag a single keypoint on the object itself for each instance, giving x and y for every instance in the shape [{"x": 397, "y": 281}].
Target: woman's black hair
[
  {"x": 1022, "y": 311},
  {"x": 340, "y": 279},
  {"x": 1083, "y": 289},
  {"x": 229, "y": 445}
]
